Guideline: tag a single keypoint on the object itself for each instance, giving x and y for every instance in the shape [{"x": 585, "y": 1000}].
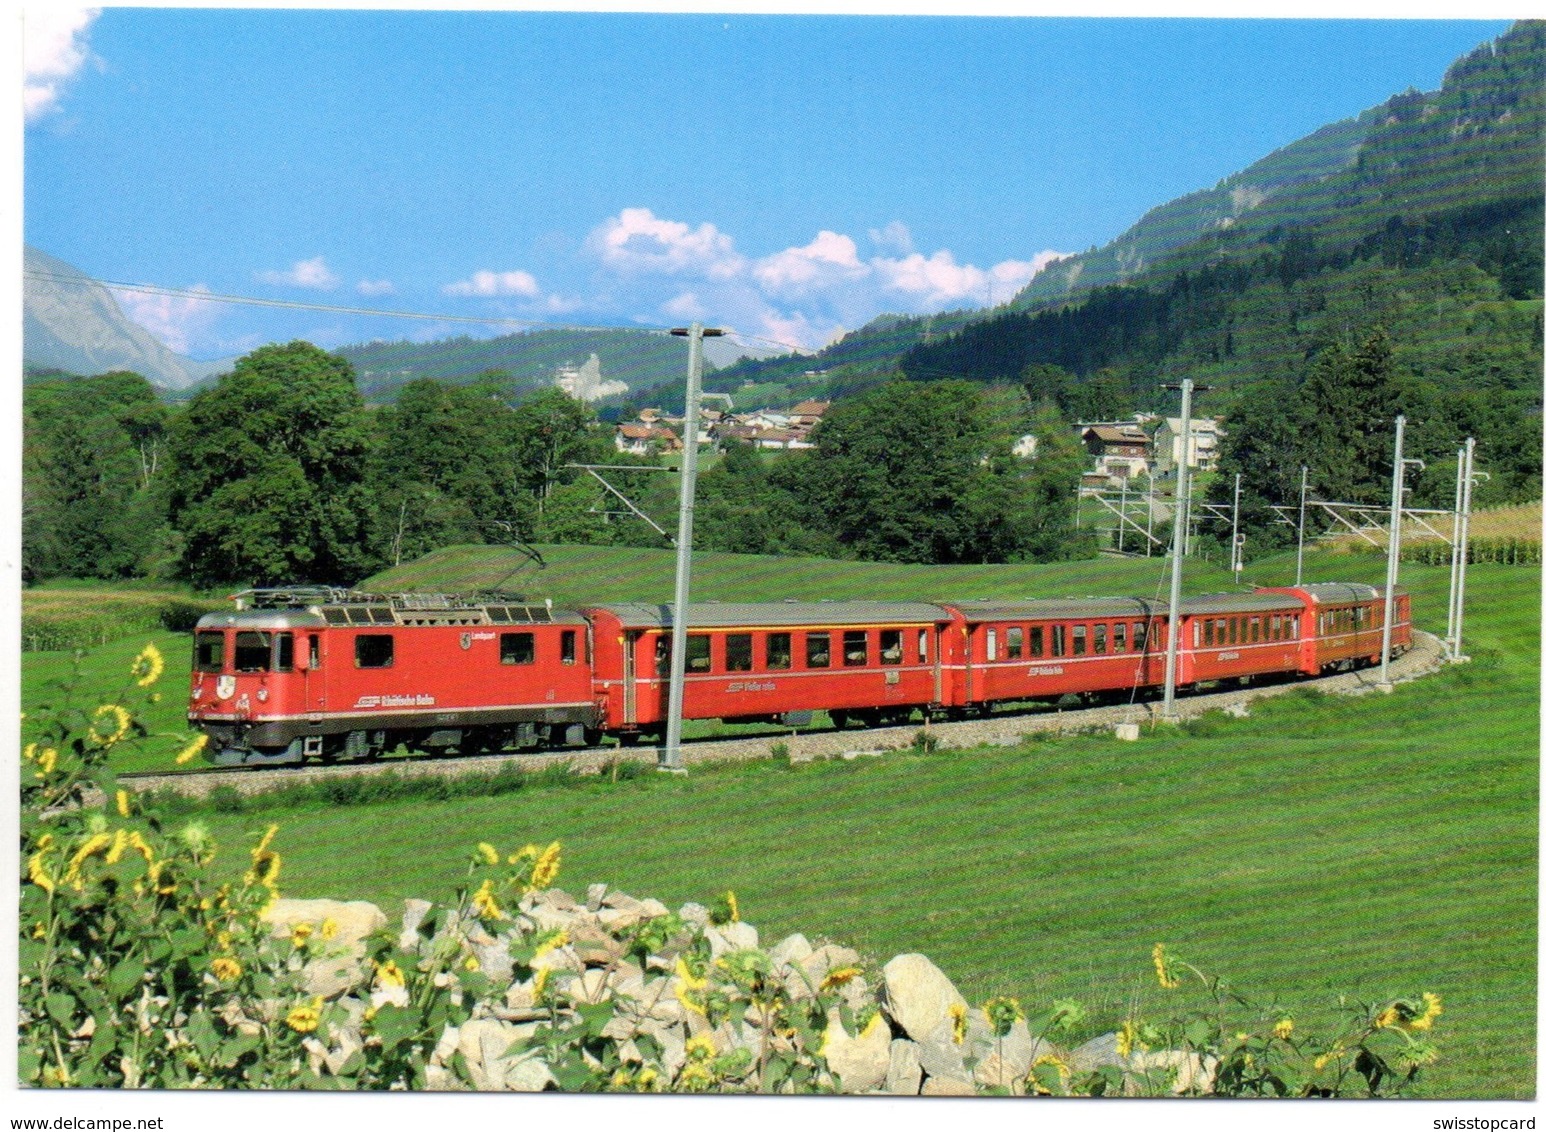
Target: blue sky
[{"x": 786, "y": 176}]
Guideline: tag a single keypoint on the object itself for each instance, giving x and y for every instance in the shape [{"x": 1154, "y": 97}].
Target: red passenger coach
[
  {"x": 871, "y": 661},
  {"x": 1345, "y": 624},
  {"x": 1239, "y": 636},
  {"x": 339, "y": 675}
]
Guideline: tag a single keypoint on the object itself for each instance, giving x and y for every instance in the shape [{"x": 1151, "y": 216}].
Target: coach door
[{"x": 630, "y": 673}]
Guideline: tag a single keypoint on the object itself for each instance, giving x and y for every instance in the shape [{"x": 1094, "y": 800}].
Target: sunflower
[{"x": 147, "y": 667}]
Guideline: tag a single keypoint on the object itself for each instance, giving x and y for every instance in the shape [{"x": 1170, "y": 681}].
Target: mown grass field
[{"x": 1371, "y": 846}]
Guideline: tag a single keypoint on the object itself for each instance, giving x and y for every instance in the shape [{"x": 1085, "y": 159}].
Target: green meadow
[{"x": 1369, "y": 846}]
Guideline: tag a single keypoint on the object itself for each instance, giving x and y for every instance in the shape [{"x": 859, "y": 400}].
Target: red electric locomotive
[{"x": 337, "y": 675}]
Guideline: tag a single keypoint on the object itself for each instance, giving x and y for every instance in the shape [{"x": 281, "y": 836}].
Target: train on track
[{"x": 321, "y": 673}]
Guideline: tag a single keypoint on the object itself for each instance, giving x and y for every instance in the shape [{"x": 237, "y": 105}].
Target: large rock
[
  {"x": 348, "y": 922},
  {"x": 734, "y": 936},
  {"x": 917, "y": 995},
  {"x": 486, "y": 1046},
  {"x": 941, "y": 1055},
  {"x": 904, "y": 1074},
  {"x": 860, "y": 1062}
]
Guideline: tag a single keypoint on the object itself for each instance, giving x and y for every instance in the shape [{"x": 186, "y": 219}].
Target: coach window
[
  {"x": 992, "y": 644},
  {"x": 923, "y": 646},
  {"x": 780, "y": 651},
  {"x": 1059, "y": 634},
  {"x": 516, "y": 648},
  {"x": 1207, "y": 631},
  {"x": 891, "y": 646},
  {"x": 566, "y": 641},
  {"x": 1036, "y": 641},
  {"x": 1119, "y": 637},
  {"x": 856, "y": 648},
  {"x": 1100, "y": 639},
  {"x": 252, "y": 652},
  {"x": 818, "y": 650},
  {"x": 374, "y": 650},
  {"x": 209, "y": 652},
  {"x": 284, "y": 652},
  {"x": 738, "y": 652},
  {"x": 1014, "y": 642},
  {"x": 1140, "y": 635},
  {"x": 698, "y": 651},
  {"x": 1080, "y": 633},
  {"x": 1255, "y": 629}
]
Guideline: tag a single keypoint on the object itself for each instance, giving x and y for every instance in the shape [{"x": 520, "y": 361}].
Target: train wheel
[
  {"x": 628, "y": 738},
  {"x": 839, "y": 719}
]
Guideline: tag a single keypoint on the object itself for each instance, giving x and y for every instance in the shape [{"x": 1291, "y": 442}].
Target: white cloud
[
  {"x": 175, "y": 320},
  {"x": 53, "y": 52},
  {"x": 894, "y": 237},
  {"x": 375, "y": 287},
  {"x": 638, "y": 241},
  {"x": 686, "y": 305},
  {"x": 312, "y": 274},
  {"x": 490, "y": 284},
  {"x": 827, "y": 261}
]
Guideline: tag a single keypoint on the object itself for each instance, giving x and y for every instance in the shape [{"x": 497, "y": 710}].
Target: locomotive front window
[
  {"x": 856, "y": 648},
  {"x": 780, "y": 650},
  {"x": 516, "y": 648},
  {"x": 209, "y": 652},
  {"x": 373, "y": 650},
  {"x": 818, "y": 650},
  {"x": 738, "y": 652},
  {"x": 252, "y": 652},
  {"x": 284, "y": 652}
]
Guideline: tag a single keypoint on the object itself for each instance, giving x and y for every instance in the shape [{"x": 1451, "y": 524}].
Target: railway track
[{"x": 1003, "y": 729}]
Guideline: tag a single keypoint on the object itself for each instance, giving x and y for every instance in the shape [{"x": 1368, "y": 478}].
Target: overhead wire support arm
[{"x": 596, "y": 469}]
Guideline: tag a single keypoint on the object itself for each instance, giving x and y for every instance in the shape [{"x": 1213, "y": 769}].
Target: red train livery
[{"x": 312, "y": 672}]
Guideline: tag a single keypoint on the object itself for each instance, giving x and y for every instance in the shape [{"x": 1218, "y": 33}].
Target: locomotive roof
[
  {"x": 716, "y": 615},
  {"x": 312, "y": 607}
]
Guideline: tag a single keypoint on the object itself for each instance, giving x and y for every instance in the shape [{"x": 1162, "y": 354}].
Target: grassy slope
[{"x": 1373, "y": 846}]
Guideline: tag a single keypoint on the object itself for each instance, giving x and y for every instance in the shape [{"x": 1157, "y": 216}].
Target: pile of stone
[{"x": 922, "y": 1037}]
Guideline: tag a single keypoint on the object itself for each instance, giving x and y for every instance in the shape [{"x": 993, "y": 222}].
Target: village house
[
  {"x": 1122, "y": 451},
  {"x": 1204, "y": 455},
  {"x": 637, "y": 439}
]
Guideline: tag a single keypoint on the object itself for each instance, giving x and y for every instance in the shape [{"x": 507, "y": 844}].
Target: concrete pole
[
  {"x": 1304, "y": 488},
  {"x": 1465, "y": 541},
  {"x": 1177, "y": 550},
  {"x": 1451, "y": 650},
  {"x": 1393, "y": 553},
  {"x": 671, "y": 755},
  {"x": 1234, "y": 535}
]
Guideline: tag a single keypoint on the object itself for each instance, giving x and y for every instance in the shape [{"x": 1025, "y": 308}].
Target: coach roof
[{"x": 721, "y": 615}]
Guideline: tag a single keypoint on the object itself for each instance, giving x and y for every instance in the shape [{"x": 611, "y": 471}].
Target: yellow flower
[
  {"x": 300, "y": 933},
  {"x": 121, "y": 722},
  {"x": 540, "y": 982},
  {"x": 192, "y": 749},
  {"x": 1166, "y": 979},
  {"x": 226, "y": 969},
  {"x": 735, "y": 909},
  {"x": 545, "y": 871},
  {"x": 1284, "y": 1027},
  {"x": 621, "y": 1079},
  {"x": 645, "y": 1080},
  {"x": 29, "y": 751},
  {"x": 700, "y": 1048},
  {"x": 305, "y": 1019},
  {"x": 46, "y": 762},
  {"x": 147, "y": 666},
  {"x": 120, "y": 843},
  {"x": 37, "y": 874},
  {"x": 526, "y": 852},
  {"x": 957, "y": 1022},
  {"x": 1387, "y": 1017},
  {"x": 696, "y": 1077},
  {"x": 329, "y": 928},
  {"x": 485, "y": 905},
  {"x": 471, "y": 963},
  {"x": 122, "y": 800},
  {"x": 839, "y": 976},
  {"x": 489, "y": 854},
  {"x": 89, "y": 848},
  {"x": 390, "y": 974},
  {"x": 265, "y": 862},
  {"x": 549, "y": 942},
  {"x": 1126, "y": 1036},
  {"x": 38, "y": 930},
  {"x": 684, "y": 972},
  {"x": 1433, "y": 1006}
]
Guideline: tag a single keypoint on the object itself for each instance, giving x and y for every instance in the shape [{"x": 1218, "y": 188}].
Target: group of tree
[{"x": 281, "y": 473}]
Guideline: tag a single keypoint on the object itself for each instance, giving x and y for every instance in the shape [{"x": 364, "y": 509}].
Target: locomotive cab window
[
  {"x": 856, "y": 648},
  {"x": 373, "y": 650},
  {"x": 516, "y": 648},
  {"x": 209, "y": 652},
  {"x": 738, "y": 652},
  {"x": 780, "y": 651},
  {"x": 284, "y": 652},
  {"x": 818, "y": 650},
  {"x": 891, "y": 646},
  {"x": 252, "y": 652},
  {"x": 313, "y": 651}
]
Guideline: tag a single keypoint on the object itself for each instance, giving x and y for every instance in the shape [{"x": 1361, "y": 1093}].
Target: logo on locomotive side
[
  {"x": 418, "y": 699},
  {"x": 225, "y": 687}
]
